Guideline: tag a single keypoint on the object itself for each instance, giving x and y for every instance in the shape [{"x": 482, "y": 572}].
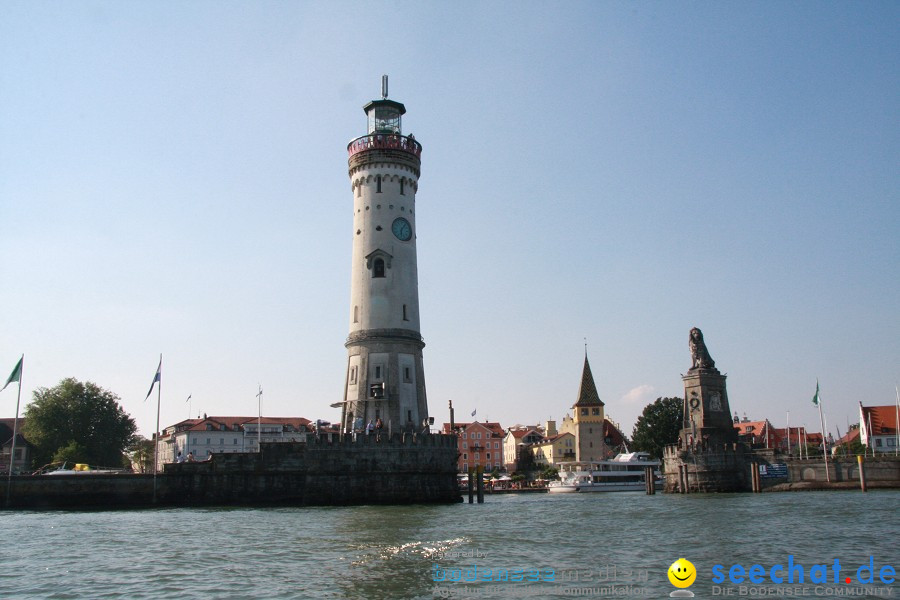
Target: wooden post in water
[
  {"x": 480, "y": 479},
  {"x": 649, "y": 481},
  {"x": 862, "y": 473},
  {"x": 471, "y": 484}
]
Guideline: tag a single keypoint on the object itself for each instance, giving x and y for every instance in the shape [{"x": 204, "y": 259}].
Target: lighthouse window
[
  {"x": 401, "y": 188},
  {"x": 406, "y": 376},
  {"x": 356, "y": 314},
  {"x": 378, "y": 270},
  {"x": 405, "y": 316},
  {"x": 378, "y": 184}
]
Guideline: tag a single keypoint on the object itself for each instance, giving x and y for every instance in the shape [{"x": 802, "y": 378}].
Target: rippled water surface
[{"x": 595, "y": 545}]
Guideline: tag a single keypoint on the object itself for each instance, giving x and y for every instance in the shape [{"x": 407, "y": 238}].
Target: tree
[
  {"x": 140, "y": 453},
  {"x": 658, "y": 426},
  {"x": 78, "y": 422}
]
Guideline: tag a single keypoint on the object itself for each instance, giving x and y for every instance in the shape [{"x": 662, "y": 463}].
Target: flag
[
  {"x": 816, "y": 398},
  {"x": 474, "y": 411},
  {"x": 156, "y": 379},
  {"x": 16, "y": 374}
]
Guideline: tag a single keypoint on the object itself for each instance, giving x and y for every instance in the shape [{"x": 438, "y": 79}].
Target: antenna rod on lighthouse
[{"x": 384, "y": 87}]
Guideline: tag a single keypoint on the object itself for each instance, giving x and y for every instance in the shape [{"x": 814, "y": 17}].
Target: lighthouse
[{"x": 385, "y": 378}]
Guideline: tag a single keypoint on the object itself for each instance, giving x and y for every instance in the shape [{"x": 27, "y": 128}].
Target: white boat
[{"x": 624, "y": 473}]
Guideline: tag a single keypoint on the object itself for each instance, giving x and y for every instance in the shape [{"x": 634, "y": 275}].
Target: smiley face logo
[{"x": 682, "y": 573}]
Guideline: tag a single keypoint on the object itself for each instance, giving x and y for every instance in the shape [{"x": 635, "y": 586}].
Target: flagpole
[
  {"x": 259, "y": 420},
  {"x": 824, "y": 443},
  {"x": 789, "y": 431},
  {"x": 156, "y": 444},
  {"x": 12, "y": 450}
]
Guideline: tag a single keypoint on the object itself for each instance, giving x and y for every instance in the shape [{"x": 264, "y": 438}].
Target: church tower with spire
[{"x": 588, "y": 421}]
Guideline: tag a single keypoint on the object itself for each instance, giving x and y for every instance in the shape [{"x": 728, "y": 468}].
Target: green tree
[
  {"x": 80, "y": 422},
  {"x": 658, "y": 426},
  {"x": 140, "y": 453}
]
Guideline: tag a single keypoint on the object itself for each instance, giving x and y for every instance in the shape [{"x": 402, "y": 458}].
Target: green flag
[
  {"x": 816, "y": 397},
  {"x": 16, "y": 374}
]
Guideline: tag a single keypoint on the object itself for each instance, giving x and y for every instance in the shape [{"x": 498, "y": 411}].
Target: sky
[{"x": 599, "y": 175}]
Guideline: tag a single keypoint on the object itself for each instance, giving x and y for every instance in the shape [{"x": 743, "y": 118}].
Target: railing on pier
[{"x": 385, "y": 141}]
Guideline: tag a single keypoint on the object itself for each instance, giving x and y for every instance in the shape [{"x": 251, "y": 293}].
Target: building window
[
  {"x": 584, "y": 412},
  {"x": 356, "y": 314},
  {"x": 488, "y": 456},
  {"x": 406, "y": 375},
  {"x": 405, "y": 316},
  {"x": 465, "y": 466},
  {"x": 377, "y": 372},
  {"x": 378, "y": 184},
  {"x": 465, "y": 456},
  {"x": 401, "y": 188},
  {"x": 595, "y": 412},
  {"x": 378, "y": 270},
  {"x": 353, "y": 375}
]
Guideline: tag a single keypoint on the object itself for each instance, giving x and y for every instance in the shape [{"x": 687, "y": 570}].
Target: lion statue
[{"x": 699, "y": 354}]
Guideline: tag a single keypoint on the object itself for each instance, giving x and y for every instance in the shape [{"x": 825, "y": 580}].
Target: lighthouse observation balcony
[
  {"x": 377, "y": 148},
  {"x": 385, "y": 141}
]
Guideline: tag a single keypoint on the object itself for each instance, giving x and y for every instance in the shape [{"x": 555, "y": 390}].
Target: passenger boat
[{"x": 624, "y": 473}]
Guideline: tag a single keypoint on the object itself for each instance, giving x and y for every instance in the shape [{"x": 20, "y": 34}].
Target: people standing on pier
[
  {"x": 378, "y": 427},
  {"x": 370, "y": 428}
]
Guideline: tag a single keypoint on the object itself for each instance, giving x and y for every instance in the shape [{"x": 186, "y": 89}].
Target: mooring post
[
  {"x": 862, "y": 473},
  {"x": 480, "y": 476},
  {"x": 471, "y": 484}
]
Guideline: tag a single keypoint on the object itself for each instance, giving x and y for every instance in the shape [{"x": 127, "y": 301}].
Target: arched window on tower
[
  {"x": 401, "y": 187},
  {"x": 378, "y": 268},
  {"x": 378, "y": 182}
]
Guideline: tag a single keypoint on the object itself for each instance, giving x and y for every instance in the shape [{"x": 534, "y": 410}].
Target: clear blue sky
[{"x": 173, "y": 178}]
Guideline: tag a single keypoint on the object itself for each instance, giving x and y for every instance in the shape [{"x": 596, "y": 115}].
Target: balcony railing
[{"x": 385, "y": 141}]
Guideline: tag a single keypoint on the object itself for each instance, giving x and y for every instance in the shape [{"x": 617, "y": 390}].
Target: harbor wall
[
  {"x": 405, "y": 469},
  {"x": 730, "y": 470}
]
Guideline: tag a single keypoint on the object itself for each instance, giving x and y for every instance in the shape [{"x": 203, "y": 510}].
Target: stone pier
[{"x": 405, "y": 469}]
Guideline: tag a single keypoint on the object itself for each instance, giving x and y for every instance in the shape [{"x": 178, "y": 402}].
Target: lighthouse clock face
[{"x": 402, "y": 229}]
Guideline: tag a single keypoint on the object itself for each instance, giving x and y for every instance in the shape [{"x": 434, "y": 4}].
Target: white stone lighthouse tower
[{"x": 385, "y": 377}]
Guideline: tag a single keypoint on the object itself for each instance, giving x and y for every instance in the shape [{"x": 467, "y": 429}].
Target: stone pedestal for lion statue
[{"x": 707, "y": 456}]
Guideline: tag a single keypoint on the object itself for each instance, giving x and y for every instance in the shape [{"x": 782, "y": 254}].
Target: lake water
[{"x": 561, "y": 546}]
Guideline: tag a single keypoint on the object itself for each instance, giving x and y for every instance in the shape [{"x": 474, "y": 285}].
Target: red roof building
[
  {"x": 480, "y": 445},
  {"x": 878, "y": 427},
  {"x": 197, "y": 439}
]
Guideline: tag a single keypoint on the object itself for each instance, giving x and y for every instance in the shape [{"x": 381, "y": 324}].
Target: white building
[{"x": 214, "y": 435}]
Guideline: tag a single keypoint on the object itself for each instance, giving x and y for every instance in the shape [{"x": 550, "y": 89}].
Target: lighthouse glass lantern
[{"x": 384, "y": 116}]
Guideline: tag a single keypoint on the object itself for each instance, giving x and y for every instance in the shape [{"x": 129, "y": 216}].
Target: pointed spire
[{"x": 587, "y": 395}]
